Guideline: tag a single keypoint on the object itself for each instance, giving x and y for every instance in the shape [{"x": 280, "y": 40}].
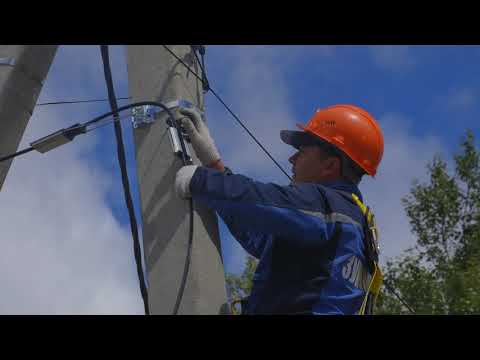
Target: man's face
[{"x": 312, "y": 164}]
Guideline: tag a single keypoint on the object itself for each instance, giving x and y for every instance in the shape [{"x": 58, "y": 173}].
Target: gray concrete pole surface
[
  {"x": 154, "y": 75},
  {"x": 23, "y": 69}
]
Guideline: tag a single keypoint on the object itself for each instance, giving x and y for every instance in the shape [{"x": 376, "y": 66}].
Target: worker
[{"x": 309, "y": 236}]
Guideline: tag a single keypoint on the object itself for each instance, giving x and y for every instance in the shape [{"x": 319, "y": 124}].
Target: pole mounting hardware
[{"x": 145, "y": 115}]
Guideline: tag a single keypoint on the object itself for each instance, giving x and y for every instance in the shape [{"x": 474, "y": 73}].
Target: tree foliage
[
  {"x": 440, "y": 275},
  {"x": 239, "y": 286}
]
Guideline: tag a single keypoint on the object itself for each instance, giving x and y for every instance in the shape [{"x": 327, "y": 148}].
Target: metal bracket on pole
[{"x": 145, "y": 115}]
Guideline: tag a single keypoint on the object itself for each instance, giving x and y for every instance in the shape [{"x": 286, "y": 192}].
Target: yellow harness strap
[
  {"x": 233, "y": 307},
  {"x": 377, "y": 278}
]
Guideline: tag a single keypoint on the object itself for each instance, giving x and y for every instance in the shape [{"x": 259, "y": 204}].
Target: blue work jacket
[{"x": 309, "y": 239}]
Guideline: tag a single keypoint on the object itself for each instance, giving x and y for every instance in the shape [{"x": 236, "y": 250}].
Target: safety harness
[
  {"x": 371, "y": 237},
  {"x": 371, "y": 254}
]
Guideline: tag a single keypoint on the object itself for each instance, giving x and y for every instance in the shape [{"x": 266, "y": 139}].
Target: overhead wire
[
  {"x": 230, "y": 111},
  {"x": 201, "y": 64},
  {"x": 21, "y": 152},
  {"x": 95, "y": 121},
  {"x": 106, "y": 123},
  {"x": 78, "y": 101},
  {"x": 390, "y": 289}
]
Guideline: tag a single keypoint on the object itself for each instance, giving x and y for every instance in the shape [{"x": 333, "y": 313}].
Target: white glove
[
  {"x": 182, "y": 181},
  {"x": 200, "y": 137}
]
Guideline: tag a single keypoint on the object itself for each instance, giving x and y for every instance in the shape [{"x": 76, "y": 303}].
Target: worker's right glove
[{"x": 200, "y": 137}]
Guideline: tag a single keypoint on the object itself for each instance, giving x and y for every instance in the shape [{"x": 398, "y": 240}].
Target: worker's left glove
[
  {"x": 199, "y": 136},
  {"x": 182, "y": 181}
]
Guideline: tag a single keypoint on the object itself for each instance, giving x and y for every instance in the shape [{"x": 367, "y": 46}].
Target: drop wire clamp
[{"x": 143, "y": 116}]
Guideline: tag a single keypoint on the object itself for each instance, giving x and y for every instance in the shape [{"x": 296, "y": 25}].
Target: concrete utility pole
[
  {"x": 154, "y": 75},
  {"x": 23, "y": 69}
]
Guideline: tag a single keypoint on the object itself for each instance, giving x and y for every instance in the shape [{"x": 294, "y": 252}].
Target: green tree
[
  {"x": 239, "y": 286},
  {"x": 440, "y": 274}
]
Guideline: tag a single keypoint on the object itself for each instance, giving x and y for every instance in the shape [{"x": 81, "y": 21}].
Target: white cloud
[
  {"x": 392, "y": 57},
  {"x": 63, "y": 252}
]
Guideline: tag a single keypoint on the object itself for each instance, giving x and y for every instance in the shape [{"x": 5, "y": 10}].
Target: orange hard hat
[{"x": 348, "y": 128}]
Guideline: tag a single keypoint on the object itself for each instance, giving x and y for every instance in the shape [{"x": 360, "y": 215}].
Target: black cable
[
  {"x": 21, "y": 152},
  {"x": 123, "y": 168},
  {"x": 186, "y": 268},
  {"x": 187, "y": 263},
  {"x": 97, "y": 119},
  {"x": 185, "y": 161},
  {"x": 129, "y": 106},
  {"x": 78, "y": 101},
  {"x": 122, "y": 162},
  {"x": 399, "y": 297},
  {"x": 201, "y": 64},
  {"x": 107, "y": 123},
  {"x": 230, "y": 111}
]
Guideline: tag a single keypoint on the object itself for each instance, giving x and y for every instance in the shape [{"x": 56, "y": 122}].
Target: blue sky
[{"x": 63, "y": 213}]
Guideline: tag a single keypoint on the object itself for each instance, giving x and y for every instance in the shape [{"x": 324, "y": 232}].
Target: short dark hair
[{"x": 350, "y": 171}]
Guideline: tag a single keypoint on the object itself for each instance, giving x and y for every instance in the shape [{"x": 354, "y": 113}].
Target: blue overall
[{"x": 309, "y": 240}]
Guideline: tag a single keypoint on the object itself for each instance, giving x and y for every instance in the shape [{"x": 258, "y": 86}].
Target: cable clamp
[
  {"x": 145, "y": 115},
  {"x": 176, "y": 145},
  {"x": 58, "y": 138}
]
